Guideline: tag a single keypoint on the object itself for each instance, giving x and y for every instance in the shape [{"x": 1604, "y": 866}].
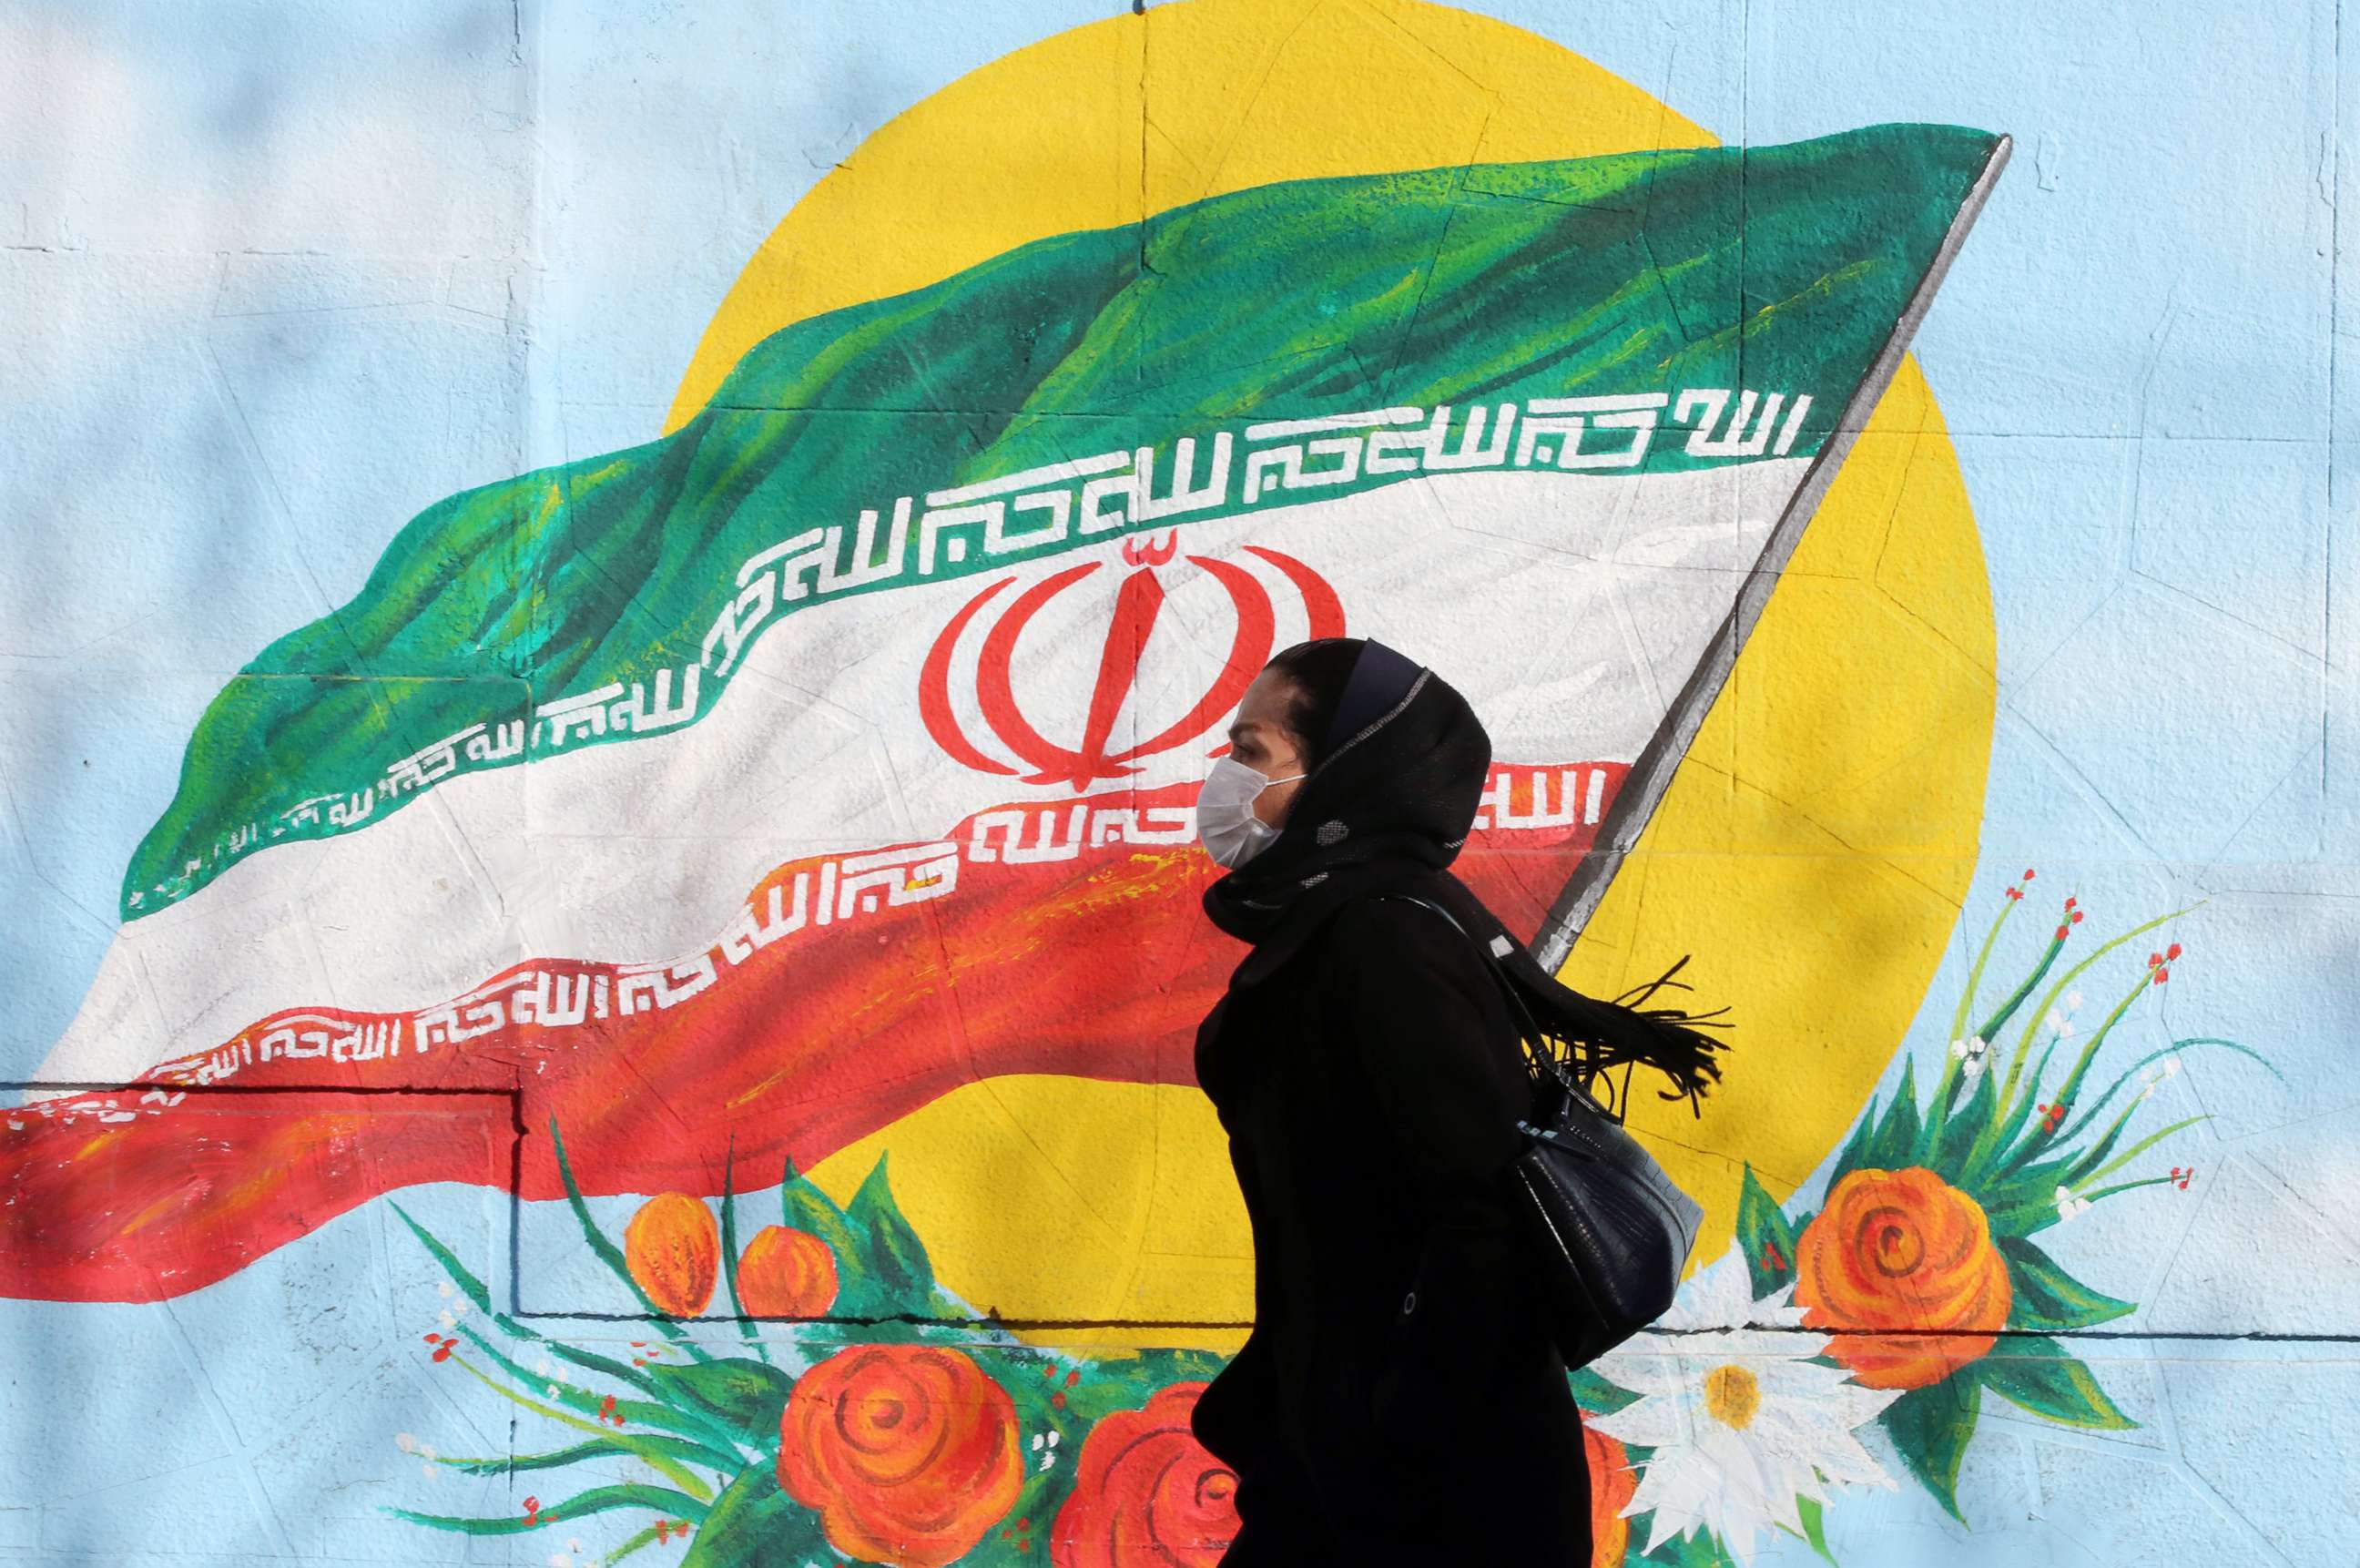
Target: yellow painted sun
[{"x": 1815, "y": 846}]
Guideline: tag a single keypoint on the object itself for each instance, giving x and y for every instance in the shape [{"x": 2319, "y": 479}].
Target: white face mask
[{"x": 1226, "y": 823}]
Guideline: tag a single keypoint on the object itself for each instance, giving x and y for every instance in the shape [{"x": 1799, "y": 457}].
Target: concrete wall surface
[{"x": 612, "y": 615}]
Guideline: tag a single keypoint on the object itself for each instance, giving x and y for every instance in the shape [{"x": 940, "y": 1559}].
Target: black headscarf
[{"x": 1388, "y": 808}]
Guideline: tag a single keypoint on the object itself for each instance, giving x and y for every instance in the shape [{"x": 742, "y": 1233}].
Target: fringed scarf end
[{"x": 1601, "y": 1036}]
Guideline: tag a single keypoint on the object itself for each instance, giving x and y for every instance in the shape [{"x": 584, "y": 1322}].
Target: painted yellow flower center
[{"x": 1732, "y": 1396}]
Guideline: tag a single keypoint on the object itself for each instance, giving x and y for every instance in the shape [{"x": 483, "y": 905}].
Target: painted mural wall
[{"x": 610, "y": 618}]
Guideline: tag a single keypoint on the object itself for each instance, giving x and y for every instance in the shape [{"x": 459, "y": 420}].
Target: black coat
[{"x": 1398, "y": 1399}]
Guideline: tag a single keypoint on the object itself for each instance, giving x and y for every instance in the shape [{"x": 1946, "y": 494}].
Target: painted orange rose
[
  {"x": 673, "y": 1251},
  {"x": 908, "y": 1453},
  {"x": 1146, "y": 1494},
  {"x": 1612, "y": 1487},
  {"x": 1901, "y": 1250},
  {"x": 786, "y": 1273}
]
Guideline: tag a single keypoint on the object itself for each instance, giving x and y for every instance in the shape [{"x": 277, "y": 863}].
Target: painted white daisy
[{"x": 1741, "y": 1422}]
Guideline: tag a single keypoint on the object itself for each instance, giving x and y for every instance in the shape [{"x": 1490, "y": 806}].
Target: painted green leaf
[
  {"x": 677, "y": 1448},
  {"x": 2036, "y": 1374},
  {"x": 1596, "y": 1395},
  {"x": 604, "y": 1250},
  {"x": 657, "y": 1534},
  {"x": 1702, "y": 1549},
  {"x": 2025, "y": 1199},
  {"x": 712, "y": 1440},
  {"x": 754, "y": 1524},
  {"x": 2090, "y": 1106},
  {"x": 1990, "y": 1028},
  {"x": 460, "y": 1274},
  {"x": 607, "y": 1252},
  {"x": 745, "y": 1394},
  {"x": 1947, "y": 1142},
  {"x": 2048, "y": 1299},
  {"x": 2019, "y": 1111},
  {"x": 1855, "y": 1149},
  {"x": 803, "y": 1207},
  {"x": 895, "y": 1274},
  {"x": 1815, "y": 1526},
  {"x": 1895, "y": 1143},
  {"x": 1765, "y": 1237},
  {"x": 598, "y": 1500},
  {"x": 1930, "y": 1427}
]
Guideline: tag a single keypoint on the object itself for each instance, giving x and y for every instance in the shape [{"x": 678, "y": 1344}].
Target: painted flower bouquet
[
  {"x": 1914, "y": 1288},
  {"x": 898, "y": 1427}
]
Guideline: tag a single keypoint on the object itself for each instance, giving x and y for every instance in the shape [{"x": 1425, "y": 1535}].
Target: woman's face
[{"x": 1259, "y": 738}]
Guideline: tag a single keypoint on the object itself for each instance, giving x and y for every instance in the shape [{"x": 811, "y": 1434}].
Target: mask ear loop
[{"x": 1289, "y": 779}]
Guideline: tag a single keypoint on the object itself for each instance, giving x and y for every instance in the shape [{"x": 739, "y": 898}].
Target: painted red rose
[
  {"x": 1146, "y": 1493},
  {"x": 908, "y": 1453}
]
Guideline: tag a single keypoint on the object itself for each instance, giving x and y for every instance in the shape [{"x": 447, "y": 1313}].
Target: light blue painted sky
[{"x": 258, "y": 262}]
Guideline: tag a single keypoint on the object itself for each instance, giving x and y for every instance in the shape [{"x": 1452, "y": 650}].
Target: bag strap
[{"x": 1499, "y": 973}]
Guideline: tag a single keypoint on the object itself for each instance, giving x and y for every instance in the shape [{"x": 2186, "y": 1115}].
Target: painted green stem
[
  {"x": 2133, "y": 1153},
  {"x": 663, "y": 1464},
  {"x": 729, "y": 1249},
  {"x": 598, "y": 1501},
  {"x": 2031, "y": 1030},
  {"x": 2072, "y": 1083},
  {"x": 482, "y": 1297},
  {"x": 689, "y": 1424},
  {"x": 1946, "y": 1088}
]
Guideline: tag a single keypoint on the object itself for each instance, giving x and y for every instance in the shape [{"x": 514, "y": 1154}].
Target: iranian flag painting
[{"x": 730, "y": 796}]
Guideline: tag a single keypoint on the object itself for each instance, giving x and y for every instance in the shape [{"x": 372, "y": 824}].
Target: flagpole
[{"x": 1650, "y": 774}]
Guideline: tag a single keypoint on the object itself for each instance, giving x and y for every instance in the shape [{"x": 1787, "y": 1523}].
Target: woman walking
[{"x": 1400, "y": 1399}]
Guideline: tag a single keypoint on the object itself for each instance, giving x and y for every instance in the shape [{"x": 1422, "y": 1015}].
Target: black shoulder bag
[{"x": 1612, "y": 1230}]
